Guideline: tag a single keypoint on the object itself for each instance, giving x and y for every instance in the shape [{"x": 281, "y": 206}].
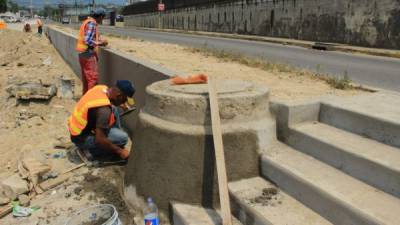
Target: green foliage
[
  {"x": 342, "y": 83},
  {"x": 3, "y": 6},
  {"x": 13, "y": 7}
]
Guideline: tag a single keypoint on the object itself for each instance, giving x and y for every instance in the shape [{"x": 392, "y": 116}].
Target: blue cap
[
  {"x": 126, "y": 87},
  {"x": 98, "y": 12}
]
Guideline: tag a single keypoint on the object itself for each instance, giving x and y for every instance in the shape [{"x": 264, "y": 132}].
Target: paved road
[{"x": 375, "y": 71}]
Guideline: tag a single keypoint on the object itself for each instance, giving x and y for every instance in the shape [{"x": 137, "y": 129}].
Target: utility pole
[
  {"x": 46, "y": 5},
  {"x": 31, "y": 6},
  {"x": 159, "y": 16},
  {"x": 76, "y": 11}
]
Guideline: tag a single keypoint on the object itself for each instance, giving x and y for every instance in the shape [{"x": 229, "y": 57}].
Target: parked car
[
  {"x": 8, "y": 19},
  {"x": 119, "y": 18},
  {"x": 65, "y": 20}
]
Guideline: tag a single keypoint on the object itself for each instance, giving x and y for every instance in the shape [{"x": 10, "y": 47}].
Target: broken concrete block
[
  {"x": 47, "y": 61},
  {"x": 17, "y": 184},
  {"x": 26, "y": 91},
  {"x": 24, "y": 200},
  {"x": 66, "y": 88},
  {"x": 35, "y": 167},
  {"x": 6, "y": 194}
]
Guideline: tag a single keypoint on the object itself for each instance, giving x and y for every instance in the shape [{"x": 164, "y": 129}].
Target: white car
[
  {"x": 9, "y": 19},
  {"x": 65, "y": 20}
]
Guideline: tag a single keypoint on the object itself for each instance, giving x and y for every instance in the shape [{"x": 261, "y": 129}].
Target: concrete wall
[
  {"x": 113, "y": 65},
  {"x": 360, "y": 22}
]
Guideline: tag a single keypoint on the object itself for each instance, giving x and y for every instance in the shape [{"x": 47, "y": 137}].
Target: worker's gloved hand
[
  {"x": 124, "y": 153},
  {"x": 104, "y": 43}
]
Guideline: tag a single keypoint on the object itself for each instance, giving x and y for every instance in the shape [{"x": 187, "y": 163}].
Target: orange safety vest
[
  {"x": 3, "y": 25},
  {"x": 95, "y": 97},
  {"x": 81, "y": 45}
]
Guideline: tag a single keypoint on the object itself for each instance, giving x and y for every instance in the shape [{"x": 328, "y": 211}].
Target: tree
[
  {"x": 3, "y": 6},
  {"x": 13, "y": 7}
]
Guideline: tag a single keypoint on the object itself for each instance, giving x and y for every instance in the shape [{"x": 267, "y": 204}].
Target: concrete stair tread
[
  {"x": 352, "y": 192},
  {"x": 186, "y": 214},
  {"x": 369, "y": 149},
  {"x": 282, "y": 209},
  {"x": 382, "y": 105}
]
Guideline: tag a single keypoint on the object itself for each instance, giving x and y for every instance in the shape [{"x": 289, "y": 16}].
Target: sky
[{"x": 40, "y": 3}]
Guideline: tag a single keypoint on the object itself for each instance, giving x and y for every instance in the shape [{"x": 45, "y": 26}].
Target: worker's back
[{"x": 3, "y": 24}]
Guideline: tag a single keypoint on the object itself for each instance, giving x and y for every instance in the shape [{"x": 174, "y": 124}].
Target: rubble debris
[
  {"x": 24, "y": 200},
  {"x": 17, "y": 184},
  {"x": 66, "y": 88},
  {"x": 6, "y": 194},
  {"x": 63, "y": 143},
  {"x": 20, "y": 211},
  {"x": 78, "y": 190},
  {"x": 47, "y": 61},
  {"x": 49, "y": 175},
  {"x": 35, "y": 167},
  {"x": 58, "y": 155},
  {"x": 26, "y": 91},
  {"x": 267, "y": 196}
]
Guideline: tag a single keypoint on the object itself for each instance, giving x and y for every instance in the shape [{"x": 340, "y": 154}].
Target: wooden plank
[
  {"x": 4, "y": 211},
  {"x": 46, "y": 185},
  {"x": 219, "y": 154},
  {"x": 74, "y": 168}
]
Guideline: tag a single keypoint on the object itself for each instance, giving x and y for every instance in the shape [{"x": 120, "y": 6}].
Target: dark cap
[{"x": 126, "y": 87}]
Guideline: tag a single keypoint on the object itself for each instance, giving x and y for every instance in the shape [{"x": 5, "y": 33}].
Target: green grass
[{"x": 343, "y": 83}]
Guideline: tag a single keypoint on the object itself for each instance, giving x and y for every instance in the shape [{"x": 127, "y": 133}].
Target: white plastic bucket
[{"x": 105, "y": 214}]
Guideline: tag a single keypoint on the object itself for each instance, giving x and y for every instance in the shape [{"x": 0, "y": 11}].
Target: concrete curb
[{"x": 113, "y": 65}]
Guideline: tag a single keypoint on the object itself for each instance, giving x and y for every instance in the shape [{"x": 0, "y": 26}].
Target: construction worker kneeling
[{"x": 95, "y": 122}]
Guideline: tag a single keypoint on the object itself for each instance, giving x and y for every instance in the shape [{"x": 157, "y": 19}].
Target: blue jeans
[{"x": 116, "y": 135}]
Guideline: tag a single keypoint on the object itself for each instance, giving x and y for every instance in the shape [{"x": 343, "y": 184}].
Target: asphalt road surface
[{"x": 376, "y": 71}]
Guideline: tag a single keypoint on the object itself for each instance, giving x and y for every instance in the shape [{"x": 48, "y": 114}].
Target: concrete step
[
  {"x": 185, "y": 214},
  {"x": 376, "y": 116},
  {"x": 333, "y": 194},
  {"x": 368, "y": 160},
  {"x": 257, "y": 201}
]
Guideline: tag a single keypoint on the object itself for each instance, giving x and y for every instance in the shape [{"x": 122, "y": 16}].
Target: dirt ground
[{"x": 33, "y": 129}]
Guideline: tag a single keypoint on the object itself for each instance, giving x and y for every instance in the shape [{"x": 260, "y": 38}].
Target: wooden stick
[
  {"x": 48, "y": 184},
  {"x": 219, "y": 154},
  {"x": 74, "y": 168},
  {"x": 4, "y": 211}
]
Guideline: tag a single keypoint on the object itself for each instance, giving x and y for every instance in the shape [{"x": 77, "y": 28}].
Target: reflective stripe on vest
[
  {"x": 81, "y": 45},
  {"x": 95, "y": 97}
]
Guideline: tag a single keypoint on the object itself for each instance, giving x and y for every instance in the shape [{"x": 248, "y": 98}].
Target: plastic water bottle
[{"x": 151, "y": 213}]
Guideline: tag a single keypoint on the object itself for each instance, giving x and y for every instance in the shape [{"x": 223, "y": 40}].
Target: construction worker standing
[
  {"x": 39, "y": 24},
  {"x": 87, "y": 47},
  {"x": 94, "y": 123}
]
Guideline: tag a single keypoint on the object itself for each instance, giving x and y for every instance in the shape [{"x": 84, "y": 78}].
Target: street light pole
[
  {"x": 159, "y": 15},
  {"x": 31, "y": 6}
]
